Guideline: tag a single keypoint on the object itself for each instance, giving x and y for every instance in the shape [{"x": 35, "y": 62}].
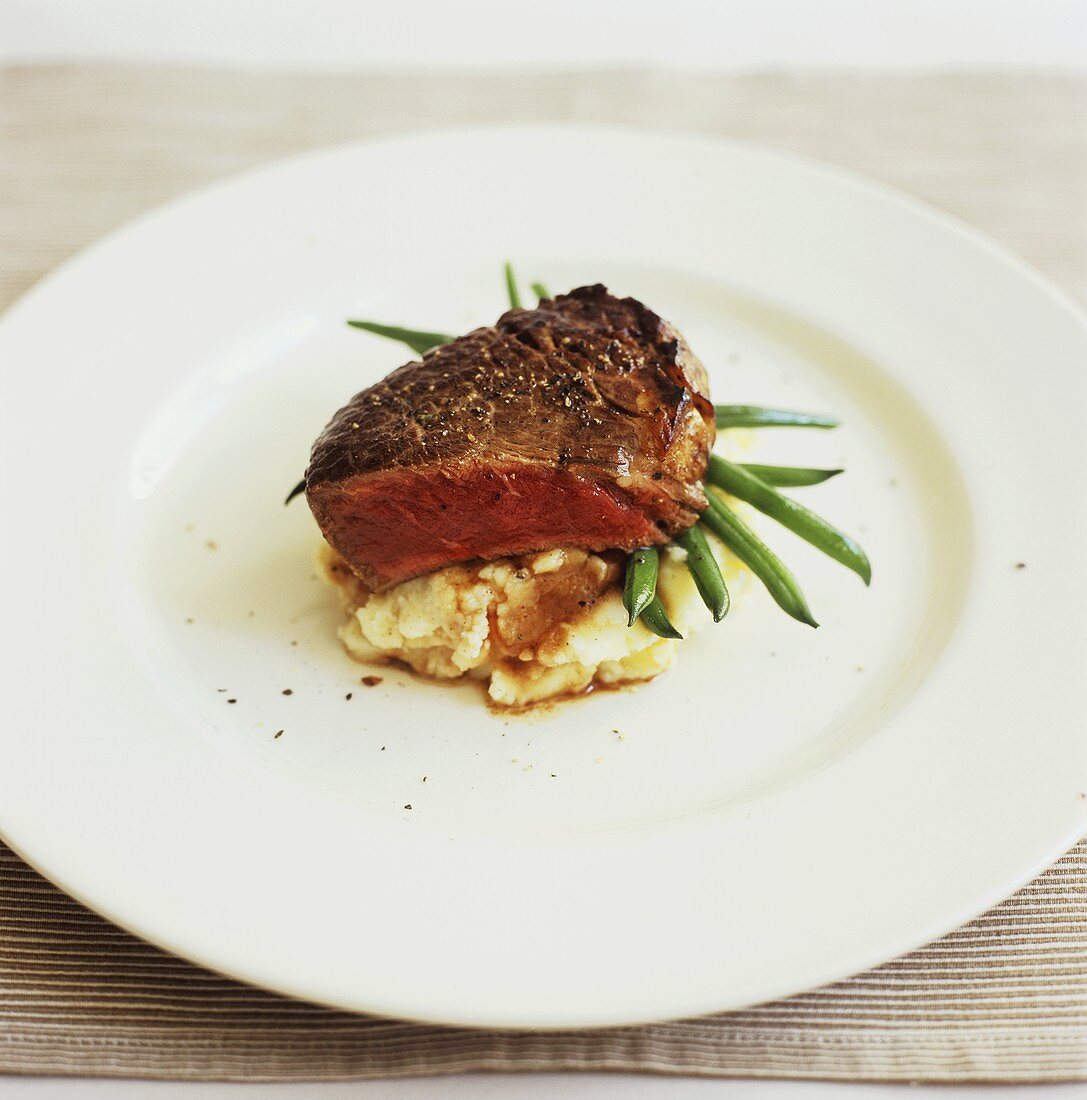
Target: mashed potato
[{"x": 532, "y": 628}]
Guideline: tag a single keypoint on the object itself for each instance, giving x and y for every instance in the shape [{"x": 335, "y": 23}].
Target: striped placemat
[
  {"x": 1004, "y": 999},
  {"x": 85, "y": 148}
]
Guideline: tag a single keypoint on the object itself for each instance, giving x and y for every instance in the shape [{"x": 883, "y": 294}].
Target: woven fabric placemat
[{"x": 84, "y": 148}]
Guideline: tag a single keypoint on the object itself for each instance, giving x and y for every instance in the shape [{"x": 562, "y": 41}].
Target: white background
[{"x": 702, "y": 34}]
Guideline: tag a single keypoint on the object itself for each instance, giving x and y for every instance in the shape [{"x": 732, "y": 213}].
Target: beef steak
[{"x": 585, "y": 422}]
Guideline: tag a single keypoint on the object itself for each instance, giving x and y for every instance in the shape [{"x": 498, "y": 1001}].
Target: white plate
[{"x": 782, "y": 808}]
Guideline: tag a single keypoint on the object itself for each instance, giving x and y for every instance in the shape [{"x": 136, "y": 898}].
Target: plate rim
[{"x": 849, "y": 176}]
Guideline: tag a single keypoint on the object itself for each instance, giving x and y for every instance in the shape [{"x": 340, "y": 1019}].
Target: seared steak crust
[{"x": 584, "y": 422}]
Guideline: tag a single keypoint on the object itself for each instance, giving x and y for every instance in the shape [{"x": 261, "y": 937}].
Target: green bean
[
  {"x": 789, "y": 476},
  {"x": 758, "y": 557},
  {"x": 810, "y": 527},
  {"x": 705, "y": 572},
  {"x": 511, "y": 287},
  {"x": 540, "y": 291},
  {"x": 640, "y": 587},
  {"x": 419, "y": 342},
  {"x": 656, "y": 619},
  {"x": 752, "y": 416},
  {"x": 299, "y": 488}
]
